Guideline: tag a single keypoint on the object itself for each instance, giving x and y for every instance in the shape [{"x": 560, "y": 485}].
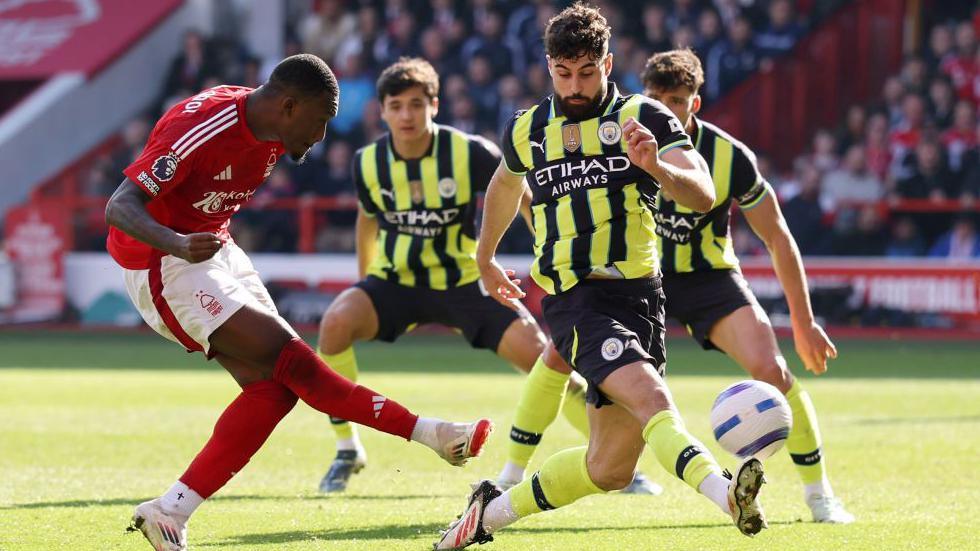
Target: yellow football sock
[
  {"x": 677, "y": 451},
  {"x": 537, "y": 408},
  {"x": 344, "y": 363},
  {"x": 573, "y": 408},
  {"x": 563, "y": 478},
  {"x": 804, "y": 439}
]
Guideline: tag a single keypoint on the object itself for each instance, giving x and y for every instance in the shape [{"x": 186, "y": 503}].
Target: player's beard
[{"x": 581, "y": 111}]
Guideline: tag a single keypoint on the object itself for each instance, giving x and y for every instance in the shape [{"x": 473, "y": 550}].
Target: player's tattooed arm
[
  {"x": 681, "y": 172},
  {"x": 126, "y": 211}
]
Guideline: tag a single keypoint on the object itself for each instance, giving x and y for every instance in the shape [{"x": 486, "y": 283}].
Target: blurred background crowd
[{"x": 920, "y": 138}]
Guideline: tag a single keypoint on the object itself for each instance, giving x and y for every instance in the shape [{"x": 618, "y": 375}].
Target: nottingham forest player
[
  {"x": 416, "y": 246},
  {"x": 705, "y": 289},
  {"x": 594, "y": 160},
  {"x": 190, "y": 282}
]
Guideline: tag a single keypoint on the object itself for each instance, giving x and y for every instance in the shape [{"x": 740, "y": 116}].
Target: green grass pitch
[{"x": 90, "y": 425}]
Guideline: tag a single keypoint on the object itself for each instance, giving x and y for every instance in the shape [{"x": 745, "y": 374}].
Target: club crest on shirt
[
  {"x": 447, "y": 188},
  {"x": 571, "y": 137},
  {"x": 418, "y": 195},
  {"x": 610, "y": 132},
  {"x": 165, "y": 167}
]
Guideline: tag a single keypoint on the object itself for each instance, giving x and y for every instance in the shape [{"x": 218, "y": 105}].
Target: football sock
[
  {"x": 240, "y": 431},
  {"x": 715, "y": 488},
  {"x": 677, "y": 451},
  {"x": 562, "y": 479},
  {"x": 573, "y": 407},
  {"x": 537, "y": 408},
  {"x": 804, "y": 442},
  {"x": 180, "y": 500},
  {"x": 301, "y": 370},
  {"x": 344, "y": 363}
]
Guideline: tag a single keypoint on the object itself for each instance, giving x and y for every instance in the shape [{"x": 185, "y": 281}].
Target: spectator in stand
[
  {"x": 683, "y": 37},
  {"x": 325, "y": 30},
  {"x": 961, "y": 66},
  {"x": 942, "y": 102},
  {"x": 915, "y": 75},
  {"x": 824, "y": 155},
  {"x": 960, "y": 141},
  {"x": 483, "y": 90},
  {"x": 866, "y": 237},
  {"x": 356, "y": 90},
  {"x": 854, "y": 128},
  {"x": 803, "y": 214},
  {"x": 268, "y": 229},
  {"x": 134, "y": 137},
  {"x": 960, "y": 243},
  {"x": 732, "y": 60},
  {"x": 510, "y": 93},
  {"x": 526, "y": 30},
  {"x": 709, "y": 32},
  {"x": 491, "y": 44},
  {"x": 905, "y": 239},
  {"x": 892, "y": 93},
  {"x": 941, "y": 47},
  {"x": 929, "y": 177},
  {"x": 782, "y": 31},
  {"x": 876, "y": 146},
  {"x": 683, "y": 12},
  {"x": 463, "y": 115},
  {"x": 362, "y": 42},
  {"x": 655, "y": 38},
  {"x": 851, "y": 183},
  {"x": 907, "y": 134},
  {"x": 399, "y": 41},
  {"x": 435, "y": 51},
  {"x": 190, "y": 68},
  {"x": 448, "y": 21}
]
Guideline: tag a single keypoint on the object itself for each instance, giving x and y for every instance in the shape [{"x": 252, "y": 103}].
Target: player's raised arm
[
  {"x": 502, "y": 202},
  {"x": 812, "y": 343},
  {"x": 126, "y": 211},
  {"x": 681, "y": 171}
]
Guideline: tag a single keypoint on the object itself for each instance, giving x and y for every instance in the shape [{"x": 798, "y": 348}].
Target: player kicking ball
[
  {"x": 705, "y": 288},
  {"x": 190, "y": 282},
  {"x": 416, "y": 252},
  {"x": 595, "y": 161}
]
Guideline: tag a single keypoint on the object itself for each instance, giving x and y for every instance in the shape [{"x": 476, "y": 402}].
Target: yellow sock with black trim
[
  {"x": 537, "y": 407},
  {"x": 573, "y": 408},
  {"x": 677, "y": 451},
  {"x": 804, "y": 439},
  {"x": 345, "y": 363},
  {"x": 562, "y": 479}
]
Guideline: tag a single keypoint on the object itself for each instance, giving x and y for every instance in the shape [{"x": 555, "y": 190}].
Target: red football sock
[
  {"x": 300, "y": 369},
  {"x": 240, "y": 431}
]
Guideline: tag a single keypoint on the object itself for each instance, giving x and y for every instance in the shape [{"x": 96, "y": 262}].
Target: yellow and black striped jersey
[
  {"x": 592, "y": 209},
  {"x": 688, "y": 241},
  {"x": 425, "y": 207}
]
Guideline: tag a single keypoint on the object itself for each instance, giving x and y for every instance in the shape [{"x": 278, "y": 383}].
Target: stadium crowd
[{"x": 920, "y": 139}]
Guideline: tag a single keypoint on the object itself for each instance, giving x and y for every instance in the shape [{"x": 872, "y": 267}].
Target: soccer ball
[{"x": 751, "y": 418}]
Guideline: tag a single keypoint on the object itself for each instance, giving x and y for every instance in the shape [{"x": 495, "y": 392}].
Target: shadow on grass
[
  {"x": 426, "y": 531},
  {"x": 112, "y": 502},
  {"x": 916, "y": 420}
]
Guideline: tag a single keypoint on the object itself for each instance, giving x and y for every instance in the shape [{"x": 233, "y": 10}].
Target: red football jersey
[{"x": 200, "y": 165}]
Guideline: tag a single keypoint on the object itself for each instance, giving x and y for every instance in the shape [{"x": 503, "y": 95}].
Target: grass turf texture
[{"x": 90, "y": 425}]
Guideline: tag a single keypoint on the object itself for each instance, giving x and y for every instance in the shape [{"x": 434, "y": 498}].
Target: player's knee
[
  {"x": 770, "y": 369},
  {"x": 336, "y": 333},
  {"x": 610, "y": 475}
]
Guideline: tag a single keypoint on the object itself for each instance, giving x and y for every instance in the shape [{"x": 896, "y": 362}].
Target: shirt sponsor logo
[
  {"x": 270, "y": 164},
  {"x": 424, "y": 223},
  {"x": 165, "y": 167},
  {"x": 573, "y": 174},
  {"x": 148, "y": 183},
  {"x": 215, "y": 202},
  {"x": 677, "y": 227}
]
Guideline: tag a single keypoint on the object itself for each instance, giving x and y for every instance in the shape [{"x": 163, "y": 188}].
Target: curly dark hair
[
  {"x": 309, "y": 76},
  {"x": 406, "y": 73},
  {"x": 578, "y": 30},
  {"x": 673, "y": 69}
]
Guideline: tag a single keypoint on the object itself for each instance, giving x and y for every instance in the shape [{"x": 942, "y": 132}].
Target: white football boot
[
  {"x": 743, "y": 497},
  {"x": 458, "y": 442},
  {"x": 467, "y": 529},
  {"x": 165, "y": 532},
  {"x": 828, "y": 509}
]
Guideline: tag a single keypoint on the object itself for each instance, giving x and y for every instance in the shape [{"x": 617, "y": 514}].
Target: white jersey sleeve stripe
[
  {"x": 218, "y": 115},
  {"x": 202, "y": 132},
  {"x": 198, "y": 143}
]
